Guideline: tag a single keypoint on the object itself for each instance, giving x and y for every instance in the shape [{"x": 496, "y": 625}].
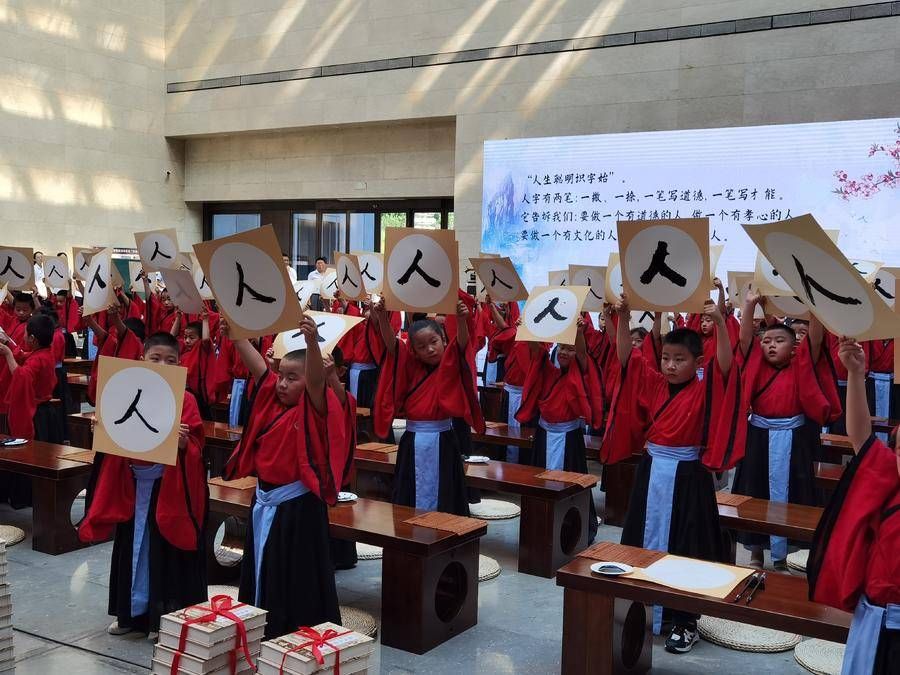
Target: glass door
[{"x": 303, "y": 238}]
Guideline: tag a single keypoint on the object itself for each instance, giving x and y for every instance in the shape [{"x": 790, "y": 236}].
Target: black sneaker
[{"x": 681, "y": 640}]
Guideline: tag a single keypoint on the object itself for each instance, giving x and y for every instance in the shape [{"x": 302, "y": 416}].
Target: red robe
[
  {"x": 58, "y": 346},
  {"x": 200, "y": 363},
  {"x": 281, "y": 445},
  {"x": 31, "y": 384},
  {"x": 879, "y": 355},
  {"x": 562, "y": 396},
  {"x": 517, "y": 356},
  {"x": 158, "y": 318},
  {"x": 229, "y": 367},
  {"x": 779, "y": 393},
  {"x": 67, "y": 311},
  {"x": 855, "y": 549},
  {"x": 408, "y": 388},
  {"x": 129, "y": 347},
  {"x": 181, "y": 486},
  {"x": 18, "y": 334},
  {"x": 704, "y": 413},
  {"x": 7, "y": 317}
]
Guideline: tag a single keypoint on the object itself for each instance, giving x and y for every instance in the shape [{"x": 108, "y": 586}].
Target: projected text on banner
[{"x": 551, "y": 202}]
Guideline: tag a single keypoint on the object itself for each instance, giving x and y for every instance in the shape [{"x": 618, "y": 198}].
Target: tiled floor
[{"x": 60, "y": 618}]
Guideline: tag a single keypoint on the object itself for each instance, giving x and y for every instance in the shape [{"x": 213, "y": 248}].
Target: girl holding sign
[{"x": 429, "y": 381}]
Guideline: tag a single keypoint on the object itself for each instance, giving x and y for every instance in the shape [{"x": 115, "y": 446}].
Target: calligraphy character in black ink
[
  {"x": 495, "y": 280},
  {"x": 809, "y": 283},
  {"x": 881, "y": 289},
  {"x": 253, "y": 293},
  {"x": 157, "y": 251},
  {"x": 55, "y": 270},
  {"x": 97, "y": 279},
  {"x": 8, "y": 267},
  {"x": 591, "y": 290},
  {"x": 658, "y": 266},
  {"x": 133, "y": 410},
  {"x": 176, "y": 502},
  {"x": 365, "y": 271},
  {"x": 550, "y": 310},
  {"x": 319, "y": 338},
  {"x": 347, "y": 278},
  {"x": 414, "y": 267}
]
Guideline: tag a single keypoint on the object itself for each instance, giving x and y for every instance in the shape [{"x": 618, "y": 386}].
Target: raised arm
[
  {"x": 462, "y": 325},
  {"x": 656, "y": 330},
  {"x": 175, "y": 330},
  {"x": 746, "y": 335},
  {"x": 723, "y": 343},
  {"x": 498, "y": 319},
  {"x": 114, "y": 315},
  {"x": 204, "y": 315},
  {"x": 315, "y": 367},
  {"x": 334, "y": 382},
  {"x": 859, "y": 422},
  {"x": 581, "y": 352},
  {"x": 623, "y": 331},
  {"x": 815, "y": 336},
  {"x": 251, "y": 358},
  {"x": 717, "y": 282}
]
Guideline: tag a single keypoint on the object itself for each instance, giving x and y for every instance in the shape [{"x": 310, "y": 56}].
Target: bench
[
  {"x": 554, "y": 522},
  {"x": 607, "y": 625},
  {"x": 221, "y": 439},
  {"x": 78, "y": 366},
  {"x": 429, "y": 588},
  {"x": 55, "y": 482}
]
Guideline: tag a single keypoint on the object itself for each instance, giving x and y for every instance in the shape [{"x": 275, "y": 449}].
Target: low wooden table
[
  {"x": 554, "y": 522},
  {"x": 760, "y": 516},
  {"x": 78, "y": 366},
  {"x": 221, "y": 439},
  {"x": 607, "y": 622},
  {"x": 55, "y": 482},
  {"x": 429, "y": 587},
  {"x": 78, "y": 386}
]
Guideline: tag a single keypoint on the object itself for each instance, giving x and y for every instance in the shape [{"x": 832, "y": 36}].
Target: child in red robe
[
  {"x": 854, "y": 563},
  {"x": 125, "y": 340},
  {"x": 563, "y": 398},
  {"x": 791, "y": 394},
  {"x": 883, "y": 394},
  {"x": 429, "y": 381},
  {"x": 197, "y": 355},
  {"x": 296, "y": 442},
  {"x": 15, "y": 337},
  {"x": 692, "y": 428},
  {"x": 157, "y": 513}
]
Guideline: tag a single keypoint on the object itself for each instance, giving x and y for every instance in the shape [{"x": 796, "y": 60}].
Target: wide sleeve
[
  {"x": 842, "y": 545},
  {"x": 818, "y": 394},
  {"x": 725, "y": 417},
  {"x": 325, "y": 449},
  {"x": 181, "y": 505},
  {"x": 21, "y": 399},
  {"x": 628, "y": 418},
  {"x": 110, "y": 498},
  {"x": 501, "y": 343},
  {"x": 392, "y": 385},
  {"x": 456, "y": 382},
  {"x": 590, "y": 392},
  {"x": 531, "y": 390}
]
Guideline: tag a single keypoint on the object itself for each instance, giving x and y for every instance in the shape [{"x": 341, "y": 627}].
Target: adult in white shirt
[
  {"x": 39, "y": 272},
  {"x": 292, "y": 273},
  {"x": 319, "y": 273}
]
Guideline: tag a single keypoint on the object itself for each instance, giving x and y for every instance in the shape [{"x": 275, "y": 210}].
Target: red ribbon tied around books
[
  {"x": 219, "y": 605},
  {"x": 315, "y": 642}
]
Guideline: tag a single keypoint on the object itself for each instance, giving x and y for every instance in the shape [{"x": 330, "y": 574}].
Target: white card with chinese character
[
  {"x": 332, "y": 327},
  {"x": 349, "y": 276},
  {"x": 614, "y": 288},
  {"x": 499, "y": 279},
  {"x": 98, "y": 286},
  {"x": 371, "y": 268},
  {"x": 558, "y": 278},
  {"x": 421, "y": 270},
  {"x": 182, "y": 290},
  {"x": 16, "y": 267},
  {"x": 56, "y": 273},
  {"x": 594, "y": 278},
  {"x": 328, "y": 286},
  {"x": 158, "y": 249},
  {"x": 886, "y": 286},
  {"x": 551, "y": 314}
]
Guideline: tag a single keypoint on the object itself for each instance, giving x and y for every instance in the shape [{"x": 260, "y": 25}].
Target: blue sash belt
[
  {"x": 865, "y": 630},
  {"x": 515, "y": 402},
  {"x": 556, "y": 441},
  {"x": 145, "y": 477},
  {"x": 264, "y": 509},
  {"x": 781, "y": 439},
  {"x": 234, "y": 406},
  {"x": 884, "y": 382},
  {"x": 355, "y": 370},
  {"x": 427, "y": 446},
  {"x": 660, "y": 493},
  {"x": 490, "y": 372}
]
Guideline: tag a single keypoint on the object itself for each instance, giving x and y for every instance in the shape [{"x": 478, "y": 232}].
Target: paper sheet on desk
[{"x": 693, "y": 576}]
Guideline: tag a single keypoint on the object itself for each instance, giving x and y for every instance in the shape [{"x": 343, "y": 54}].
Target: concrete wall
[
  {"x": 809, "y": 73},
  {"x": 82, "y": 148}
]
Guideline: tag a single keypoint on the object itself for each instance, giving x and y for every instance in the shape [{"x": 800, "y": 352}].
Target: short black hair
[
  {"x": 423, "y": 324},
  {"x": 322, "y": 259},
  {"x": 48, "y": 311},
  {"x": 41, "y": 328},
  {"x": 687, "y": 338},
  {"x": 640, "y": 330},
  {"x": 27, "y": 298},
  {"x": 794, "y": 322},
  {"x": 783, "y": 327},
  {"x": 36, "y": 254},
  {"x": 295, "y": 355},
  {"x": 62, "y": 293},
  {"x": 162, "y": 339},
  {"x": 136, "y": 326},
  {"x": 195, "y": 326}
]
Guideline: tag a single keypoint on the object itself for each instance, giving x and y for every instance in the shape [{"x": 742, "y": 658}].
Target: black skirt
[
  {"x": 71, "y": 347},
  {"x": 177, "y": 577},
  {"x": 839, "y": 426},
  {"x": 694, "y": 530},
  {"x": 368, "y": 385},
  {"x": 887, "y": 656},
  {"x": 297, "y": 586},
  {"x": 452, "y": 494},
  {"x": 574, "y": 460},
  {"x": 752, "y": 474}
]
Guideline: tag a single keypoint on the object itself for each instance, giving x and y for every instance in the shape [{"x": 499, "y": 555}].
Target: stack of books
[{"x": 334, "y": 643}]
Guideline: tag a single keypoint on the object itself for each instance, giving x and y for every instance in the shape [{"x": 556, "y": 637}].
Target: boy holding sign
[
  {"x": 296, "y": 442},
  {"x": 156, "y": 512}
]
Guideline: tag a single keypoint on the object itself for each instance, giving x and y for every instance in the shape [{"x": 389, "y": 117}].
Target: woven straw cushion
[
  {"x": 11, "y": 535},
  {"x": 820, "y": 656},
  {"x": 358, "y": 620},
  {"x": 230, "y": 591},
  {"x": 368, "y": 552},
  {"x": 797, "y": 560},
  {"x": 488, "y": 568},
  {"x": 494, "y": 509},
  {"x": 744, "y": 637},
  {"x": 228, "y": 557}
]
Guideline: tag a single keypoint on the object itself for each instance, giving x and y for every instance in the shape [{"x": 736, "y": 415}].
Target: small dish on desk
[
  {"x": 478, "y": 459},
  {"x": 12, "y": 442},
  {"x": 611, "y": 569},
  {"x": 347, "y": 497}
]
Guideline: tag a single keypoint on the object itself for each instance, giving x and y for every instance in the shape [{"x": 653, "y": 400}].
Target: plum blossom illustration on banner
[{"x": 871, "y": 184}]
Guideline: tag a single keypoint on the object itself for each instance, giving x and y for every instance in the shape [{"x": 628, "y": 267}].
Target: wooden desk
[
  {"x": 760, "y": 516},
  {"x": 55, "y": 483},
  {"x": 78, "y": 366},
  {"x": 554, "y": 522},
  {"x": 828, "y": 475},
  {"x": 607, "y": 622},
  {"x": 429, "y": 588},
  {"x": 78, "y": 386},
  {"x": 494, "y": 402},
  {"x": 220, "y": 439}
]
